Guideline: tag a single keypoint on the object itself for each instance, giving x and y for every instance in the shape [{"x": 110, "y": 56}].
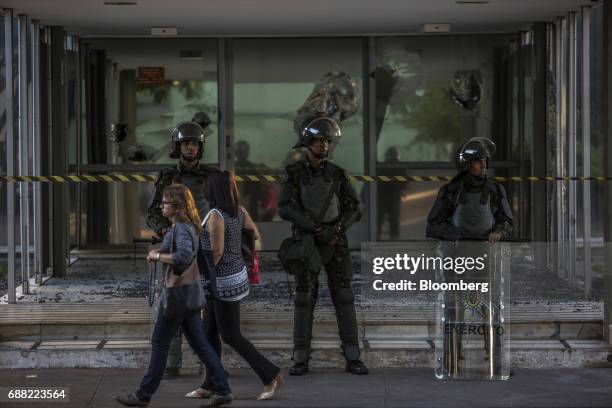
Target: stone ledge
[
  {"x": 138, "y": 311},
  {"x": 329, "y": 358},
  {"x": 377, "y": 354}
]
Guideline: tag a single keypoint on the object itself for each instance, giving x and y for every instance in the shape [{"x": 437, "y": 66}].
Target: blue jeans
[{"x": 165, "y": 329}]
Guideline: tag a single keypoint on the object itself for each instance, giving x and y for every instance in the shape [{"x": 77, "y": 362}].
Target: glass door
[
  {"x": 432, "y": 94},
  {"x": 149, "y": 85},
  {"x": 272, "y": 78}
]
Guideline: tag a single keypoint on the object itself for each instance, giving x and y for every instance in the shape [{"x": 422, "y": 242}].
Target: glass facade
[
  {"x": 3, "y": 157},
  {"x": 422, "y": 97},
  {"x": 183, "y": 82},
  {"x": 596, "y": 54},
  {"x": 272, "y": 80},
  {"x": 3, "y": 124},
  {"x": 432, "y": 94}
]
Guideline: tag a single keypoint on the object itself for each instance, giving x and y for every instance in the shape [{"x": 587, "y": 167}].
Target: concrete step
[
  {"x": 134, "y": 319},
  {"x": 387, "y": 353}
]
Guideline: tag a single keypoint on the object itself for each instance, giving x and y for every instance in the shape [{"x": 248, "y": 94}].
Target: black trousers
[
  {"x": 222, "y": 321},
  {"x": 337, "y": 264}
]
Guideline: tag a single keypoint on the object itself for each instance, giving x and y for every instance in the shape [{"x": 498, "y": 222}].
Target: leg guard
[
  {"x": 344, "y": 301},
  {"x": 302, "y": 326}
]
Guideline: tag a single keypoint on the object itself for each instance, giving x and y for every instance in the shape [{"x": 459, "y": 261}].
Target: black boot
[
  {"x": 130, "y": 400},
  {"x": 218, "y": 400},
  {"x": 171, "y": 372},
  {"x": 299, "y": 369},
  {"x": 300, "y": 358},
  {"x": 356, "y": 367}
]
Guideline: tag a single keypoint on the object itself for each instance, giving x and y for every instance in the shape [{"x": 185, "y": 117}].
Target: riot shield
[{"x": 472, "y": 330}]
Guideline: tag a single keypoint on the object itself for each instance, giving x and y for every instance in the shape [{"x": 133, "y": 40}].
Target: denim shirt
[{"x": 184, "y": 235}]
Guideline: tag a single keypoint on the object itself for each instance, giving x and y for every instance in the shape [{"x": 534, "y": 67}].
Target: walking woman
[
  {"x": 221, "y": 234},
  {"x": 178, "y": 250}
]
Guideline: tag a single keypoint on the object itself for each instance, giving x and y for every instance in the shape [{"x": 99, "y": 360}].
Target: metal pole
[
  {"x": 607, "y": 146},
  {"x": 221, "y": 101},
  {"x": 36, "y": 153},
  {"x": 369, "y": 82},
  {"x": 24, "y": 160},
  {"x": 586, "y": 147},
  {"x": 539, "y": 157},
  {"x": 10, "y": 152},
  {"x": 66, "y": 140},
  {"x": 225, "y": 66},
  {"x": 520, "y": 71},
  {"x": 550, "y": 50},
  {"x": 572, "y": 135},
  {"x": 559, "y": 112},
  {"x": 49, "y": 153},
  {"x": 84, "y": 110},
  {"x": 77, "y": 44}
]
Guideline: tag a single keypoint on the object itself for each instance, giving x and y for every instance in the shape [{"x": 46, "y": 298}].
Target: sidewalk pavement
[{"x": 384, "y": 388}]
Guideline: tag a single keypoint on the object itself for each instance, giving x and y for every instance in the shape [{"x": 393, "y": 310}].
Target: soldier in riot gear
[
  {"x": 188, "y": 147},
  {"x": 321, "y": 204},
  {"x": 471, "y": 207},
  {"x": 187, "y": 140}
]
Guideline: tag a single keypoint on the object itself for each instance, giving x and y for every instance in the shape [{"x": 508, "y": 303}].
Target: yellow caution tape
[{"x": 145, "y": 178}]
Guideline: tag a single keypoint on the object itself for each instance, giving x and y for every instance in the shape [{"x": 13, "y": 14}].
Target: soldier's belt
[{"x": 142, "y": 178}]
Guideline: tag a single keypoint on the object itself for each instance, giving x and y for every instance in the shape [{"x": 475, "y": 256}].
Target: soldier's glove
[
  {"x": 325, "y": 234},
  {"x": 452, "y": 233},
  {"x": 339, "y": 233},
  {"x": 339, "y": 227}
]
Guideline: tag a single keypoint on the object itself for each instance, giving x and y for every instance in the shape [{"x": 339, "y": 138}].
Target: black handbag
[
  {"x": 299, "y": 249},
  {"x": 206, "y": 264},
  {"x": 249, "y": 255},
  {"x": 182, "y": 294}
]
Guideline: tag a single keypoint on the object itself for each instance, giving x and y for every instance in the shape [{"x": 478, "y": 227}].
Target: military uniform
[
  {"x": 194, "y": 179},
  {"x": 321, "y": 204},
  {"x": 470, "y": 207}
]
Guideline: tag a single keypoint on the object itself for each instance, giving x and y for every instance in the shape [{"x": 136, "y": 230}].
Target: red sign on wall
[{"x": 151, "y": 75}]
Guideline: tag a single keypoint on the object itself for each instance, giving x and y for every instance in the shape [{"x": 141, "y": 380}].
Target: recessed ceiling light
[
  {"x": 164, "y": 31},
  {"x": 436, "y": 28}
]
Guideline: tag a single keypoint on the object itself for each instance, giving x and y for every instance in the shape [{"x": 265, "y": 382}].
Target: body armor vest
[
  {"x": 471, "y": 216},
  {"x": 195, "y": 184},
  {"x": 314, "y": 193}
]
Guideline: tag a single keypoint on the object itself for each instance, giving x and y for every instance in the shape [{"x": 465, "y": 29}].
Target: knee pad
[{"x": 345, "y": 297}]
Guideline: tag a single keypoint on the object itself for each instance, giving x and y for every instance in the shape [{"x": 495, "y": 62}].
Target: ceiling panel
[{"x": 289, "y": 17}]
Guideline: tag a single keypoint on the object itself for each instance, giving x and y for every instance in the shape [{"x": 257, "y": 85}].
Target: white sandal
[{"x": 197, "y": 394}]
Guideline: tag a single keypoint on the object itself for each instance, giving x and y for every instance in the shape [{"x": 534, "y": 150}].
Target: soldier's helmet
[
  {"x": 475, "y": 148},
  {"x": 321, "y": 127},
  {"x": 183, "y": 132}
]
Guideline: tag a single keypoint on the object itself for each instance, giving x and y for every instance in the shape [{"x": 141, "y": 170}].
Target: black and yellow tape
[
  {"x": 98, "y": 178},
  {"x": 141, "y": 178}
]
